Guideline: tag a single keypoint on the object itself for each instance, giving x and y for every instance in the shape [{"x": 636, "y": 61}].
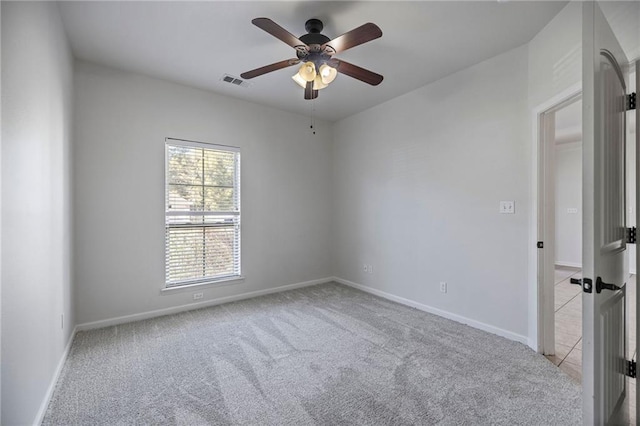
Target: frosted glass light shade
[
  {"x": 327, "y": 73},
  {"x": 301, "y": 82},
  {"x": 307, "y": 71},
  {"x": 318, "y": 83}
]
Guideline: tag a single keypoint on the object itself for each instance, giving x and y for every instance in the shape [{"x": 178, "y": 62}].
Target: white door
[
  {"x": 637, "y": 250},
  {"x": 604, "y": 228}
]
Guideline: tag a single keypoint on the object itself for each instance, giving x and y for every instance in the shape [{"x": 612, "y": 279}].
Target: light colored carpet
[{"x": 326, "y": 355}]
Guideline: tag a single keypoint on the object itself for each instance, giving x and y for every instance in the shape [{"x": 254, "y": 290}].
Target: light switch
[{"x": 507, "y": 207}]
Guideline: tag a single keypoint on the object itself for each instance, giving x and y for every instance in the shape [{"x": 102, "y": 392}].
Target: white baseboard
[
  {"x": 198, "y": 305},
  {"x": 56, "y": 375},
  {"x": 457, "y": 318},
  {"x": 568, "y": 264}
]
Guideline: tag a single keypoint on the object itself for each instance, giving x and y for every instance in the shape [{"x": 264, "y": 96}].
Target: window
[{"x": 202, "y": 214}]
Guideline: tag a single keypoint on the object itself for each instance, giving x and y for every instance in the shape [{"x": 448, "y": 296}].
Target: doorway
[
  {"x": 563, "y": 140},
  {"x": 567, "y": 242},
  {"x": 559, "y": 218}
]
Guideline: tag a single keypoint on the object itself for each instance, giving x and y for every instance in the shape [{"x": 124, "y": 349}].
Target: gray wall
[
  {"x": 36, "y": 265},
  {"x": 121, "y": 123},
  {"x": 417, "y": 186}
]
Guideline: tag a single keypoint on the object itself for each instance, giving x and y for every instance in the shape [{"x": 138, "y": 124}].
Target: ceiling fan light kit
[
  {"x": 315, "y": 52},
  {"x": 321, "y": 79},
  {"x": 307, "y": 71},
  {"x": 327, "y": 73}
]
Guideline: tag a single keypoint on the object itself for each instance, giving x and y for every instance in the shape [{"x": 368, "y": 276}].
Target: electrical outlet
[
  {"x": 197, "y": 296},
  {"x": 370, "y": 269},
  {"x": 443, "y": 287}
]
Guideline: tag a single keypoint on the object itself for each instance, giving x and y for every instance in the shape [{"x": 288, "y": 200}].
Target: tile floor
[{"x": 568, "y": 308}]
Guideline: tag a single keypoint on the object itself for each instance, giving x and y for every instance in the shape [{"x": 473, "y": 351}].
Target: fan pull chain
[{"x": 312, "y": 118}]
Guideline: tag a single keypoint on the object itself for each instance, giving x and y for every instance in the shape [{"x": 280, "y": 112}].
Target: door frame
[
  {"x": 636, "y": 70},
  {"x": 536, "y": 232},
  {"x": 541, "y": 306}
]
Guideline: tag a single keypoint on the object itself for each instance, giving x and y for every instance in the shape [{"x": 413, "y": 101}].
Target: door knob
[{"x": 601, "y": 285}]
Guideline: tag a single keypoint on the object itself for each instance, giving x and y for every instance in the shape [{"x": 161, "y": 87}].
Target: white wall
[
  {"x": 36, "y": 279},
  {"x": 555, "y": 56},
  {"x": 568, "y": 196},
  {"x": 417, "y": 186},
  {"x": 121, "y": 123}
]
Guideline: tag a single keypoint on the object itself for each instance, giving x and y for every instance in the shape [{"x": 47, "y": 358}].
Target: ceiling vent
[{"x": 234, "y": 80}]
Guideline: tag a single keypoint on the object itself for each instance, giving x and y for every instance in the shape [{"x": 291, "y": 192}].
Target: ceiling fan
[{"x": 315, "y": 51}]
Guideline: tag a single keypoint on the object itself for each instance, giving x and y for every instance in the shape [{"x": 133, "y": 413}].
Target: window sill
[{"x": 191, "y": 287}]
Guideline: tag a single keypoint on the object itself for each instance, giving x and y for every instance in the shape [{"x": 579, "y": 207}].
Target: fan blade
[
  {"x": 309, "y": 93},
  {"x": 355, "y": 37},
  {"x": 268, "y": 68},
  {"x": 356, "y": 72},
  {"x": 280, "y": 33}
]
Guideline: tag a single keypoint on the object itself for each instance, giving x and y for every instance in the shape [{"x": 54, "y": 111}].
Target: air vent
[{"x": 235, "y": 80}]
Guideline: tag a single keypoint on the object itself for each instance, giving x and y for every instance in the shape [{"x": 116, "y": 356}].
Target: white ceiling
[{"x": 195, "y": 43}]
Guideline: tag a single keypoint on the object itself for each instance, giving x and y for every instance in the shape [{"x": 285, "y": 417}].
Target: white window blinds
[{"x": 202, "y": 214}]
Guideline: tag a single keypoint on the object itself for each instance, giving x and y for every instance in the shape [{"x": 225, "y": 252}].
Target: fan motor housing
[
  {"x": 314, "y": 38},
  {"x": 314, "y": 28}
]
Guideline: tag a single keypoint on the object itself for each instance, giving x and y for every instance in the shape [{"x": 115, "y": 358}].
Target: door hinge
[
  {"x": 631, "y": 369},
  {"x": 631, "y": 235},
  {"x": 631, "y": 101},
  {"x": 540, "y": 244}
]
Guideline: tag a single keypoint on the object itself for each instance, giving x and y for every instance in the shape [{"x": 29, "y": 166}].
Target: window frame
[{"x": 210, "y": 280}]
